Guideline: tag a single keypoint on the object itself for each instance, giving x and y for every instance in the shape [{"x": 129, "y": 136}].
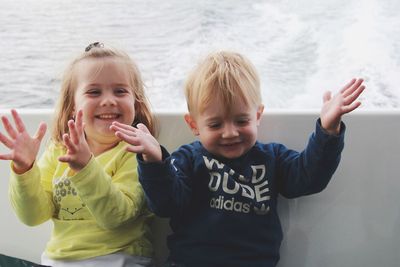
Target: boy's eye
[
  {"x": 242, "y": 122},
  {"x": 214, "y": 125}
]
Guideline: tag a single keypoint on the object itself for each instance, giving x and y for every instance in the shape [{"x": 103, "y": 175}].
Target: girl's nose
[
  {"x": 230, "y": 131},
  {"x": 108, "y": 100}
]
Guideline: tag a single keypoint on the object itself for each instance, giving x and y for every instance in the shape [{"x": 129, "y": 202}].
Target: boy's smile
[{"x": 226, "y": 135}]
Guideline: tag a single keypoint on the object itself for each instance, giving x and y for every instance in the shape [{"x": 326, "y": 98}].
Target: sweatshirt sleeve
[
  {"x": 167, "y": 187},
  {"x": 310, "y": 171},
  {"x": 112, "y": 198},
  {"x": 30, "y": 193}
]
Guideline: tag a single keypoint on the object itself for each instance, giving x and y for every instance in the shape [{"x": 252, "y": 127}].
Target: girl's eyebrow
[
  {"x": 113, "y": 85},
  {"x": 120, "y": 84},
  {"x": 92, "y": 85}
]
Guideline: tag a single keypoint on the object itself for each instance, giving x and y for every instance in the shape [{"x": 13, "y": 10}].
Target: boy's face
[{"x": 226, "y": 135}]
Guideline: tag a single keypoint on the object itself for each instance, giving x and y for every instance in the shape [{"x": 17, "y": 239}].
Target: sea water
[{"x": 300, "y": 48}]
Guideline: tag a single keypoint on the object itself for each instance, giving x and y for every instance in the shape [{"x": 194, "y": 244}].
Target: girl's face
[{"x": 104, "y": 94}]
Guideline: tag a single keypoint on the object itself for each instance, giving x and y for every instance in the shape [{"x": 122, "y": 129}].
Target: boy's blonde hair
[
  {"x": 65, "y": 106},
  {"x": 225, "y": 76}
]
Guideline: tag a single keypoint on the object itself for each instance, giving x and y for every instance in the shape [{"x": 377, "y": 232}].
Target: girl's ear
[{"x": 192, "y": 124}]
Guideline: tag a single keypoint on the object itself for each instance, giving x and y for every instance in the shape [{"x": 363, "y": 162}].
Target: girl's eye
[
  {"x": 93, "y": 92},
  {"x": 120, "y": 91}
]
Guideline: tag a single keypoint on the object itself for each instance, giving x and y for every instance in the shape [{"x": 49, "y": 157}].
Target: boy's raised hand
[
  {"x": 140, "y": 139},
  {"x": 23, "y": 147},
  {"x": 78, "y": 151},
  {"x": 341, "y": 103}
]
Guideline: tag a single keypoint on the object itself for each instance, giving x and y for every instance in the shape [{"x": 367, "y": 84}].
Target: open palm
[
  {"x": 341, "y": 103},
  {"x": 23, "y": 147},
  {"x": 78, "y": 151},
  {"x": 140, "y": 140}
]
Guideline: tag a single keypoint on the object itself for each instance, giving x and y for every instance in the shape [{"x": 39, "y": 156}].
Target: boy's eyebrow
[
  {"x": 216, "y": 118},
  {"x": 243, "y": 115}
]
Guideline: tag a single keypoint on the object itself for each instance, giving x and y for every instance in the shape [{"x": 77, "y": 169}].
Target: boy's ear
[
  {"x": 260, "y": 111},
  {"x": 192, "y": 124}
]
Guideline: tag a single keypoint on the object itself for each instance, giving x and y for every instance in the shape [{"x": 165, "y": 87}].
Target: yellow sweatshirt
[{"x": 97, "y": 211}]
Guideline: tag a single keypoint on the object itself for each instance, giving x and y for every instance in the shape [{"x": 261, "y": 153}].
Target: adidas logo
[{"x": 262, "y": 210}]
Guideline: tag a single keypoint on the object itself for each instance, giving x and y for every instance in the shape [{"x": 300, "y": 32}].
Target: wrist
[
  {"x": 153, "y": 157},
  {"x": 82, "y": 165},
  {"x": 20, "y": 169},
  {"x": 332, "y": 129},
  {"x": 147, "y": 158}
]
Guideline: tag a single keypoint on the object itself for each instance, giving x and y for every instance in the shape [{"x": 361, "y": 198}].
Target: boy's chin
[{"x": 232, "y": 152}]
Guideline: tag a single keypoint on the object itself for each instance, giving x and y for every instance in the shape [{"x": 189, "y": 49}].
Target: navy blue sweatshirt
[{"x": 224, "y": 211}]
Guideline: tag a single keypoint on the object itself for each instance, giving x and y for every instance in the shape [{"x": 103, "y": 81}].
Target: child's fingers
[
  {"x": 6, "y": 141},
  {"x": 73, "y": 134},
  {"x": 327, "y": 96},
  {"x": 135, "y": 149},
  {"x": 127, "y": 138},
  {"x": 6, "y": 157},
  {"x": 65, "y": 158},
  {"x": 123, "y": 126},
  {"x": 355, "y": 94},
  {"x": 18, "y": 121},
  {"x": 352, "y": 81},
  {"x": 143, "y": 127},
  {"x": 115, "y": 127},
  {"x": 126, "y": 132},
  {"x": 41, "y": 131},
  {"x": 79, "y": 122},
  {"x": 351, "y": 107},
  {"x": 8, "y": 127},
  {"x": 67, "y": 142},
  {"x": 352, "y": 88}
]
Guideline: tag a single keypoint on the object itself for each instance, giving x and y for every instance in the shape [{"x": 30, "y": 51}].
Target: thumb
[
  {"x": 327, "y": 96},
  {"x": 143, "y": 128},
  {"x": 40, "y": 131}
]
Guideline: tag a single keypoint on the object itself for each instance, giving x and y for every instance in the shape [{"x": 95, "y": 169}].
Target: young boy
[{"x": 221, "y": 191}]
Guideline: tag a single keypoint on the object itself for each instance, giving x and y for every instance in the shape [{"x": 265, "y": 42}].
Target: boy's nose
[{"x": 230, "y": 131}]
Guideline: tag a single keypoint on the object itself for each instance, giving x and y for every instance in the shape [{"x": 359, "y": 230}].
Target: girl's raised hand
[
  {"x": 78, "y": 152},
  {"x": 140, "y": 139},
  {"x": 23, "y": 147},
  {"x": 341, "y": 103}
]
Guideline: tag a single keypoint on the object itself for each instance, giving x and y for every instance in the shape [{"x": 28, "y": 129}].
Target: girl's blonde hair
[
  {"x": 225, "y": 76},
  {"x": 65, "y": 106}
]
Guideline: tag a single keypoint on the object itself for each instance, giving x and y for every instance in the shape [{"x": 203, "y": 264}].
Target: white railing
[{"x": 354, "y": 222}]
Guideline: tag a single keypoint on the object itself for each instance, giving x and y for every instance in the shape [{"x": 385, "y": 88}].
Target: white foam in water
[
  {"x": 300, "y": 48},
  {"x": 364, "y": 48}
]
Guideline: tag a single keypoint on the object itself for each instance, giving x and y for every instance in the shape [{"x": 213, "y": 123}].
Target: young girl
[{"x": 86, "y": 181}]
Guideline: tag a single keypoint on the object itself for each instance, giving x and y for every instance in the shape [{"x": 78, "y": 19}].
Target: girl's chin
[{"x": 108, "y": 136}]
